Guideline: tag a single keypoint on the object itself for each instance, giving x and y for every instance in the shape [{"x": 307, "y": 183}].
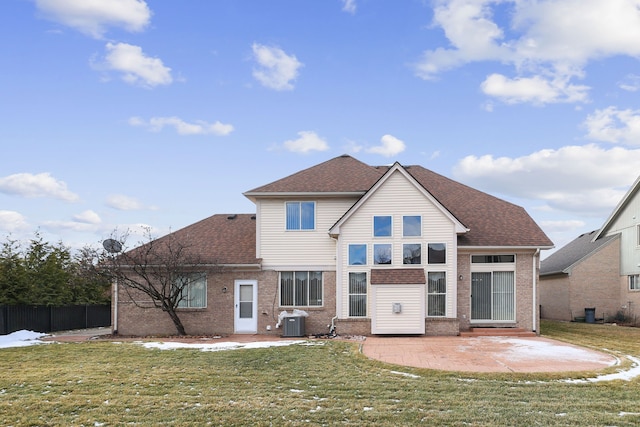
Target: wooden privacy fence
[{"x": 42, "y": 318}]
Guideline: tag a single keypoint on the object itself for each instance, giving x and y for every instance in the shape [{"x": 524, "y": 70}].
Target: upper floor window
[
  {"x": 357, "y": 254},
  {"x": 437, "y": 253},
  {"x": 411, "y": 225},
  {"x": 382, "y": 226},
  {"x": 382, "y": 254},
  {"x": 301, "y": 215},
  {"x": 193, "y": 290},
  {"x": 412, "y": 253},
  {"x": 634, "y": 282}
]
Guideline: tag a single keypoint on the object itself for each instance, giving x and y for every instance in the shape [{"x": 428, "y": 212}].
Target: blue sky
[{"x": 124, "y": 114}]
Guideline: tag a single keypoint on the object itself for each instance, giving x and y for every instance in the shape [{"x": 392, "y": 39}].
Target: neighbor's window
[
  {"x": 194, "y": 290},
  {"x": 436, "y": 293},
  {"x": 634, "y": 282},
  {"x": 357, "y": 254},
  {"x": 382, "y": 253},
  {"x": 357, "y": 294},
  {"x": 412, "y": 253},
  {"x": 382, "y": 226},
  {"x": 437, "y": 253},
  {"x": 411, "y": 225},
  {"x": 301, "y": 288},
  {"x": 301, "y": 215}
]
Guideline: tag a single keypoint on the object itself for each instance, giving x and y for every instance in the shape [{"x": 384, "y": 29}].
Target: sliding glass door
[{"x": 493, "y": 296}]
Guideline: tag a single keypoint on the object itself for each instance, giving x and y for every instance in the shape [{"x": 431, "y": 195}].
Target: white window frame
[
  {"x": 390, "y": 253},
  {"x": 373, "y": 224},
  {"x": 299, "y": 213},
  {"x": 350, "y": 294},
  {"x": 308, "y": 289},
  {"x": 192, "y": 280},
  {"x": 404, "y": 234},
  {"x": 444, "y": 294},
  {"x": 634, "y": 282},
  {"x": 421, "y": 253}
]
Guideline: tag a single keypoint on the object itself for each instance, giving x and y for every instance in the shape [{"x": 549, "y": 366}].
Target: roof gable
[
  {"x": 459, "y": 227},
  {"x": 631, "y": 194}
]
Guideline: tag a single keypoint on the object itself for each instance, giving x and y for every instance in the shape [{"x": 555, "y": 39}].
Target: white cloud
[
  {"x": 199, "y": 127},
  {"x": 126, "y": 203},
  {"x": 349, "y": 6},
  {"x": 12, "y": 221},
  {"x": 631, "y": 83},
  {"x": 38, "y": 185},
  {"x": 136, "y": 67},
  {"x": 548, "y": 42},
  {"x": 536, "y": 90},
  {"x": 307, "y": 141},
  {"x": 582, "y": 179},
  {"x": 277, "y": 70},
  {"x": 93, "y": 17},
  {"x": 88, "y": 217},
  {"x": 390, "y": 146},
  {"x": 614, "y": 125}
]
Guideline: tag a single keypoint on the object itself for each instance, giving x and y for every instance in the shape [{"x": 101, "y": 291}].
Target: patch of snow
[
  {"x": 624, "y": 414},
  {"x": 520, "y": 349},
  {"x": 168, "y": 345},
  {"x": 628, "y": 375},
  {"x": 21, "y": 339},
  {"x": 405, "y": 374},
  {"x": 295, "y": 390}
]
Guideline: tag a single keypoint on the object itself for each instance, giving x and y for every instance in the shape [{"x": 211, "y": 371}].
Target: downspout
[
  {"x": 535, "y": 282},
  {"x": 115, "y": 309}
]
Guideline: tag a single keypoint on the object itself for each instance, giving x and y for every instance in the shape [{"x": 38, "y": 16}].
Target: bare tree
[{"x": 160, "y": 268}]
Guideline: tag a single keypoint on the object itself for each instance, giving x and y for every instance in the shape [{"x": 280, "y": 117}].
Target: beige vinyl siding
[
  {"x": 627, "y": 224},
  {"x": 279, "y": 247},
  {"x": 398, "y": 197},
  {"x": 410, "y": 319}
]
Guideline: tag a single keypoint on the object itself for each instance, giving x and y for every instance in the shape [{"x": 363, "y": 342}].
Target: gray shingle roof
[{"x": 572, "y": 253}]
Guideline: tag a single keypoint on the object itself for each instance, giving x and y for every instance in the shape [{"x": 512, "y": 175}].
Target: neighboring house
[
  {"x": 368, "y": 249},
  {"x": 600, "y": 269}
]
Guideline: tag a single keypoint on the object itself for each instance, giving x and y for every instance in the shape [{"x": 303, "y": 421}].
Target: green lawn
[{"x": 101, "y": 383}]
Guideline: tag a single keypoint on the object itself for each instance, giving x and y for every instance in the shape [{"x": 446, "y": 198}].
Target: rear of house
[{"x": 369, "y": 250}]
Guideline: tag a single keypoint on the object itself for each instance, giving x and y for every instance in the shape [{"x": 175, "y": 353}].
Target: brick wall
[
  {"x": 554, "y": 297},
  {"x": 218, "y": 317}
]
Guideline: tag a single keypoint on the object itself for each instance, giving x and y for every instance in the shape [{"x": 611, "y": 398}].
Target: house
[
  {"x": 598, "y": 270},
  {"x": 367, "y": 249}
]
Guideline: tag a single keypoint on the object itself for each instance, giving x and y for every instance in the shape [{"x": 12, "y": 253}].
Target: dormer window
[{"x": 301, "y": 215}]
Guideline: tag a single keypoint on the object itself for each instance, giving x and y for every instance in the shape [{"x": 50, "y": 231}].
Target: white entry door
[{"x": 246, "y": 307}]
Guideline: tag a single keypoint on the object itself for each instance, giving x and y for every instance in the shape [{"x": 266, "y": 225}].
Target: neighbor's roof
[
  {"x": 572, "y": 253},
  {"x": 223, "y": 239},
  {"x": 491, "y": 221}
]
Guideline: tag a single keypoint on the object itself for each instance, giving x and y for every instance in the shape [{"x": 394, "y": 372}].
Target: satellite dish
[{"x": 112, "y": 246}]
